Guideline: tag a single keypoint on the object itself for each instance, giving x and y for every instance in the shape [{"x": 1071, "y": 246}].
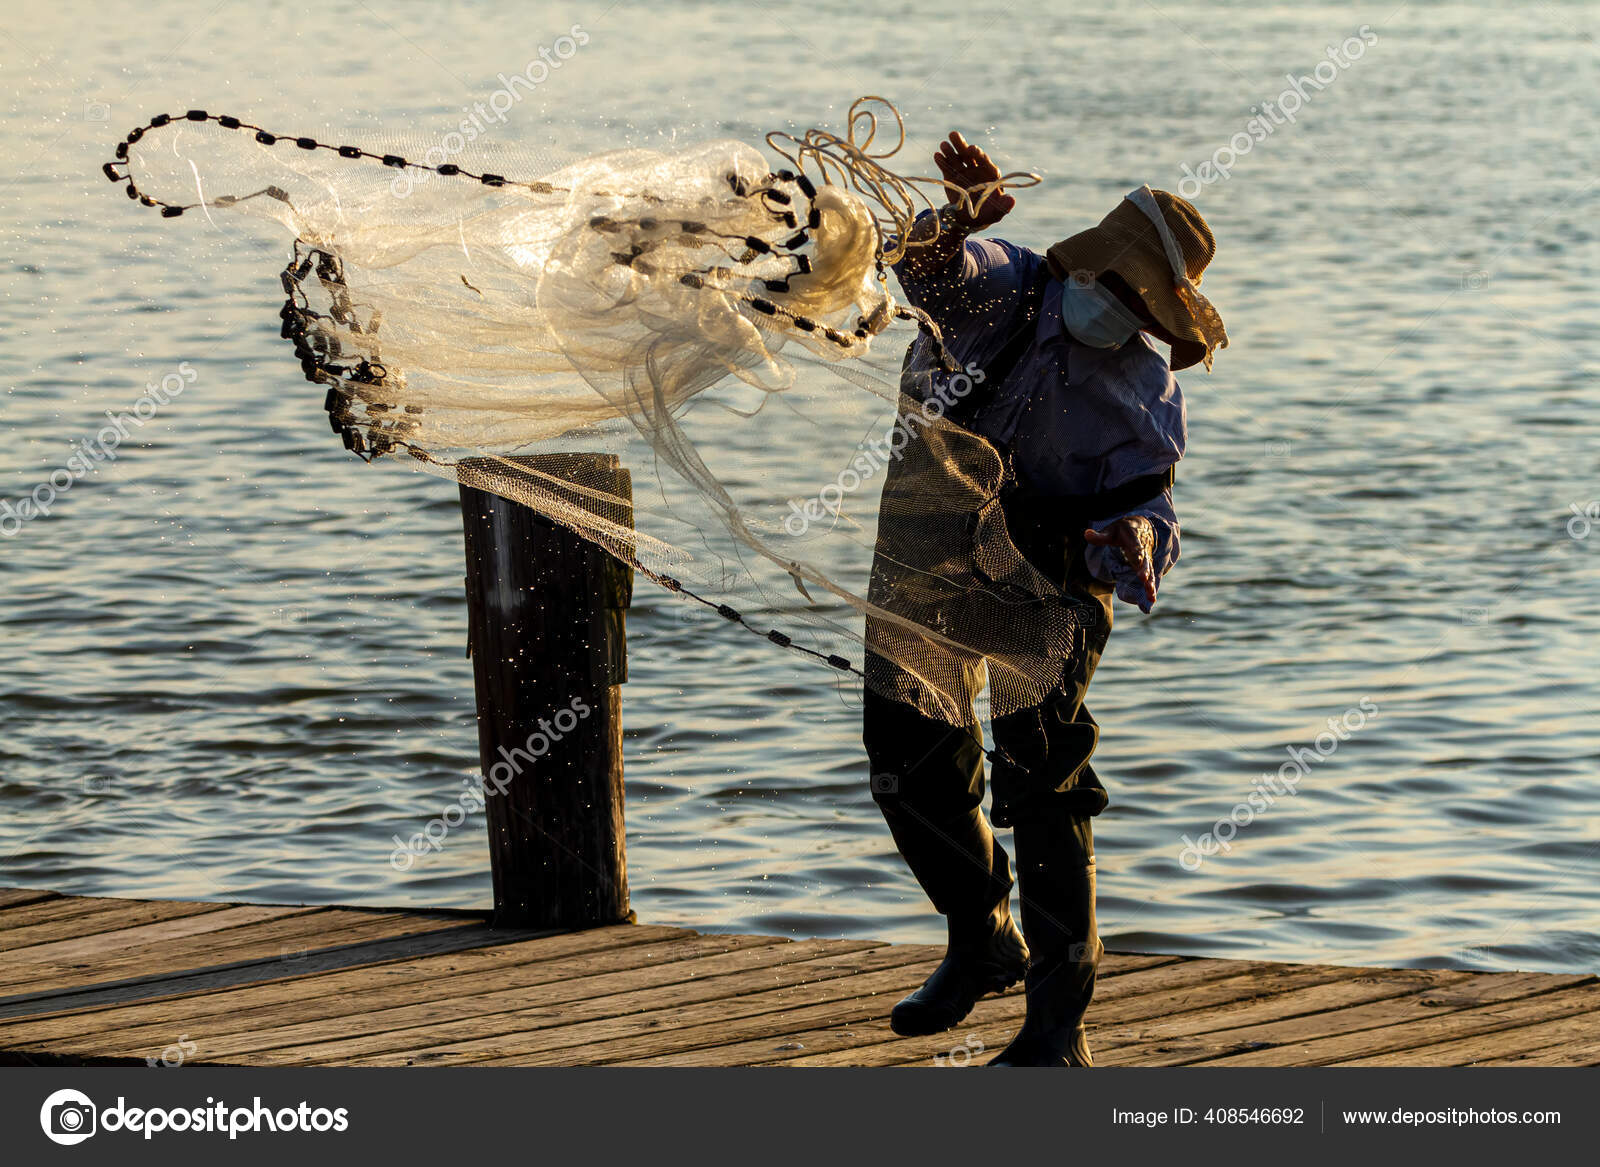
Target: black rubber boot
[
  {"x": 967, "y": 875},
  {"x": 928, "y": 780},
  {"x": 987, "y": 959},
  {"x": 1056, "y": 876}
]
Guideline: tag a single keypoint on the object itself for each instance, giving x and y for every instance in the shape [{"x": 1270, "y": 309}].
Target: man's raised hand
[{"x": 968, "y": 168}]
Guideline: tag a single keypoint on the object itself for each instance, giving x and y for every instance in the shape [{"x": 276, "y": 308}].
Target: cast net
[{"x": 723, "y": 322}]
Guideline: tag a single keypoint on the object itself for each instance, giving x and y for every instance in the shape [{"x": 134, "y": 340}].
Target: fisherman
[{"x": 1092, "y": 423}]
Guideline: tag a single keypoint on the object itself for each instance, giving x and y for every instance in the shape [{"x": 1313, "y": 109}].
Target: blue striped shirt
[{"x": 1076, "y": 419}]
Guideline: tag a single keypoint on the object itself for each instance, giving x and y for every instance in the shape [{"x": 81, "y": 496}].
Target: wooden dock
[{"x": 124, "y": 982}]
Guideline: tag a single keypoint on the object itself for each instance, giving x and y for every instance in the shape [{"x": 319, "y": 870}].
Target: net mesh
[{"x": 726, "y": 326}]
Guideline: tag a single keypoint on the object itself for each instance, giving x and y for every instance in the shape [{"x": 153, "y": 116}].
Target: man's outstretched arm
[{"x": 936, "y": 240}]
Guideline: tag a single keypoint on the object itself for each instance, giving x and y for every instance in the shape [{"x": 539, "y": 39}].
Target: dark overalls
[{"x": 928, "y": 775}]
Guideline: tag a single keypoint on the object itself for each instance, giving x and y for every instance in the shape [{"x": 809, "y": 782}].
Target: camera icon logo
[{"x": 68, "y": 1117}]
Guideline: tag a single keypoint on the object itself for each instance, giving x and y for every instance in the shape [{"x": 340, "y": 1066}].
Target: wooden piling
[{"x": 546, "y": 636}]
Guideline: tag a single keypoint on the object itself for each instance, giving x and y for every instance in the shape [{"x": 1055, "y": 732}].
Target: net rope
[{"x": 727, "y": 327}]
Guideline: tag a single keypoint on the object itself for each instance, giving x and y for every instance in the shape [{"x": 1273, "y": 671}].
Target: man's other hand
[
  {"x": 967, "y": 167},
  {"x": 1135, "y": 540}
]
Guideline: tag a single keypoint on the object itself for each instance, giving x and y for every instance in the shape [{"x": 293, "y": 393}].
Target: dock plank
[
  {"x": 735, "y": 1024},
  {"x": 1463, "y": 991},
  {"x": 451, "y": 972},
  {"x": 63, "y": 910},
  {"x": 1338, "y": 1049},
  {"x": 100, "y": 981},
  {"x": 293, "y": 934},
  {"x": 12, "y": 896},
  {"x": 1565, "y": 1052},
  {"x": 160, "y": 922},
  {"x": 589, "y": 1022},
  {"x": 1191, "y": 985},
  {"x": 813, "y": 1042},
  {"x": 382, "y": 1011},
  {"x": 466, "y": 941},
  {"x": 577, "y": 997},
  {"x": 1165, "y": 1036},
  {"x": 847, "y": 999},
  {"x": 1497, "y": 1044}
]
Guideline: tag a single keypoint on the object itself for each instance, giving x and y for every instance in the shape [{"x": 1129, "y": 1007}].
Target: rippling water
[{"x": 234, "y": 655}]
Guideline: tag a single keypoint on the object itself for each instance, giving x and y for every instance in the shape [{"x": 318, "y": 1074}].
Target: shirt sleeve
[
  {"x": 975, "y": 292},
  {"x": 1106, "y": 563}
]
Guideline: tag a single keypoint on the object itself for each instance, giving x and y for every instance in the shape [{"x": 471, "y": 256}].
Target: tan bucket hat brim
[{"x": 1159, "y": 245}]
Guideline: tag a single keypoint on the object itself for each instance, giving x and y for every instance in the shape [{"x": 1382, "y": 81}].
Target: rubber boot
[
  {"x": 967, "y": 875},
  {"x": 1056, "y": 876}
]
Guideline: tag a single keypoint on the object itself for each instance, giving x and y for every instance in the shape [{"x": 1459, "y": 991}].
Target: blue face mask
[{"x": 1093, "y": 316}]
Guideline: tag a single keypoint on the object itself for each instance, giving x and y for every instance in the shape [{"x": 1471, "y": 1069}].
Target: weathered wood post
[{"x": 546, "y": 636}]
